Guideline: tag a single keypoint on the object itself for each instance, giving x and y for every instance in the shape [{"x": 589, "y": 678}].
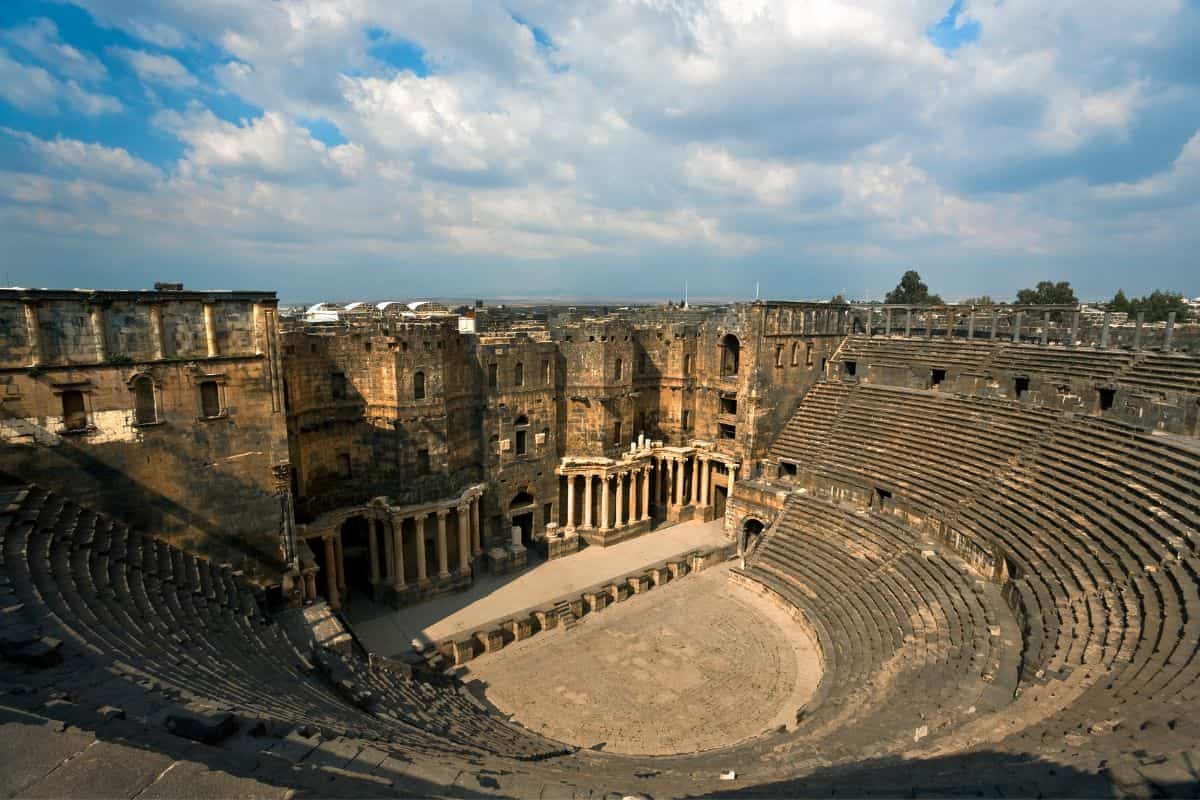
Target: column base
[{"x": 603, "y": 537}]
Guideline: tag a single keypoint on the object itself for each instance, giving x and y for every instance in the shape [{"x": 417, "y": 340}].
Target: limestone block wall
[
  {"x": 203, "y": 481},
  {"x": 382, "y": 408}
]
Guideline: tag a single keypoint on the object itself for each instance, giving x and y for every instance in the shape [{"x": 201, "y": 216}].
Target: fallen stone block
[{"x": 199, "y": 725}]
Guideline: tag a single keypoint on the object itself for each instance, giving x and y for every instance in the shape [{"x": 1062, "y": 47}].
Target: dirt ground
[{"x": 697, "y": 664}]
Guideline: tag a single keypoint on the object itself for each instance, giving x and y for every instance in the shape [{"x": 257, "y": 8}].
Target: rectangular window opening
[
  {"x": 726, "y": 431},
  {"x": 423, "y": 461},
  {"x": 850, "y": 367},
  {"x": 787, "y": 469},
  {"x": 936, "y": 376},
  {"x": 210, "y": 399},
  {"x": 1107, "y": 397},
  {"x": 74, "y": 412},
  {"x": 1021, "y": 385},
  {"x": 728, "y": 405}
]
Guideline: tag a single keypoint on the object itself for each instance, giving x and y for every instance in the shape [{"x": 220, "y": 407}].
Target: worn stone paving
[
  {"x": 390, "y": 631},
  {"x": 693, "y": 665}
]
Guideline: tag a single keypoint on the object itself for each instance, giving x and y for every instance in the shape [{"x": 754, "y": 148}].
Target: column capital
[{"x": 442, "y": 512}]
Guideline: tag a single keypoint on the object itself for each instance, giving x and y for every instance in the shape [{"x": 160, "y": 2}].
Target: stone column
[
  {"x": 733, "y": 468},
  {"x": 587, "y": 501},
  {"x": 1045, "y": 327},
  {"x": 1137, "y": 332},
  {"x": 1169, "y": 336},
  {"x": 397, "y": 540},
  {"x": 341, "y": 562},
  {"x": 950, "y": 320},
  {"x": 443, "y": 567},
  {"x": 464, "y": 545},
  {"x": 210, "y": 329},
  {"x": 680, "y": 499},
  {"x": 620, "y": 504},
  {"x": 645, "y": 493},
  {"x": 1017, "y": 326},
  {"x": 1104, "y": 332},
  {"x": 971, "y": 324},
  {"x": 33, "y": 331},
  {"x": 476, "y": 537},
  {"x": 1074, "y": 328},
  {"x": 993, "y": 319},
  {"x": 419, "y": 522},
  {"x": 908, "y": 321},
  {"x": 98, "y": 333},
  {"x": 705, "y": 469},
  {"x": 331, "y": 581},
  {"x": 887, "y": 321},
  {"x": 695, "y": 478},
  {"x": 156, "y": 332},
  {"x": 570, "y": 501},
  {"x": 605, "y": 494},
  {"x": 373, "y": 550}
]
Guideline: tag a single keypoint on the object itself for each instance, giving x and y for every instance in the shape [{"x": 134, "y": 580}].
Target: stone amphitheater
[{"x": 959, "y": 559}]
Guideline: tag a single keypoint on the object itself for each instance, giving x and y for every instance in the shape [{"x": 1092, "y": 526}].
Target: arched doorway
[
  {"x": 520, "y": 512},
  {"x": 751, "y": 532},
  {"x": 731, "y": 351}
]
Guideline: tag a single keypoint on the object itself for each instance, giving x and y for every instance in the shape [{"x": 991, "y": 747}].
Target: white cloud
[
  {"x": 34, "y": 90},
  {"x": 158, "y": 69},
  {"x": 753, "y": 134},
  {"x": 40, "y": 39}
]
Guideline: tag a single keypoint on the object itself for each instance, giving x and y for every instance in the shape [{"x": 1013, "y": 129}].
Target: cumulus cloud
[{"x": 822, "y": 144}]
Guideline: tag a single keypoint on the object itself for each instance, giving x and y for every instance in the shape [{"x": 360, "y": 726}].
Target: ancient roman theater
[{"x": 763, "y": 549}]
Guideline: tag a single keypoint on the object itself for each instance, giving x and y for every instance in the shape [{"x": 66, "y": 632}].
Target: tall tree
[
  {"x": 1048, "y": 293},
  {"x": 1119, "y": 302},
  {"x": 1158, "y": 304},
  {"x": 912, "y": 291}
]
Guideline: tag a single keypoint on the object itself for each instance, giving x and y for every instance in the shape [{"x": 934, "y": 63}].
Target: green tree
[
  {"x": 838, "y": 299},
  {"x": 1158, "y": 304},
  {"x": 912, "y": 291},
  {"x": 1119, "y": 302},
  {"x": 1048, "y": 293}
]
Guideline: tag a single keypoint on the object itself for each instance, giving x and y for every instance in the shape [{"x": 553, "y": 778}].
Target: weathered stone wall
[{"x": 201, "y": 482}]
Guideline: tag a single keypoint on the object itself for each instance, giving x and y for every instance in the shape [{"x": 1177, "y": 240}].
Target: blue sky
[{"x": 535, "y": 148}]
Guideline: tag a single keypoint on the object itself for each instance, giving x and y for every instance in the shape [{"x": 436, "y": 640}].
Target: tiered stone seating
[
  {"x": 1099, "y": 523},
  {"x": 937, "y": 351},
  {"x": 194, "y": 633},
  {"x": 799, "y": 440},
  {"x": 1163, "y": 372},
  {"x": 1057, "y": 361},
  {"x": 895, "y": 617}
]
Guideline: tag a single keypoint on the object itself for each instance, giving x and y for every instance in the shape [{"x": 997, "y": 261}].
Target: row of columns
[
  {"x": 387, "y": 562},
  {"x": 664, "y": 479},
  {"x": 1018, "y": 322}
]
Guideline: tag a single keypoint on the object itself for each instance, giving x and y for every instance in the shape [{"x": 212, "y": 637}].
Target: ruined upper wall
[{"x": 40, "y": 327}]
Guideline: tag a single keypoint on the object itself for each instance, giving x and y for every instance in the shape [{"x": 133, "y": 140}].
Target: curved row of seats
[
  {"x": 193, "y": 632},
  {"x": 1096, "y": 522},
  {"x": 895, "y": 618},
  {"x": 1147, "y": 369}
]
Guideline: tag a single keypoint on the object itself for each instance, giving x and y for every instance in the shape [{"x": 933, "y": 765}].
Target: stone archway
[
  {"x": 751, "y": 532},
  {"x": 521, "y": 515}
]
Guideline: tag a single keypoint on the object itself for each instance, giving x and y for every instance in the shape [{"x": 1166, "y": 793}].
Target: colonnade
[
  {"x": 655, "y": 484},
  {"x": 387, "y": 528}
]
